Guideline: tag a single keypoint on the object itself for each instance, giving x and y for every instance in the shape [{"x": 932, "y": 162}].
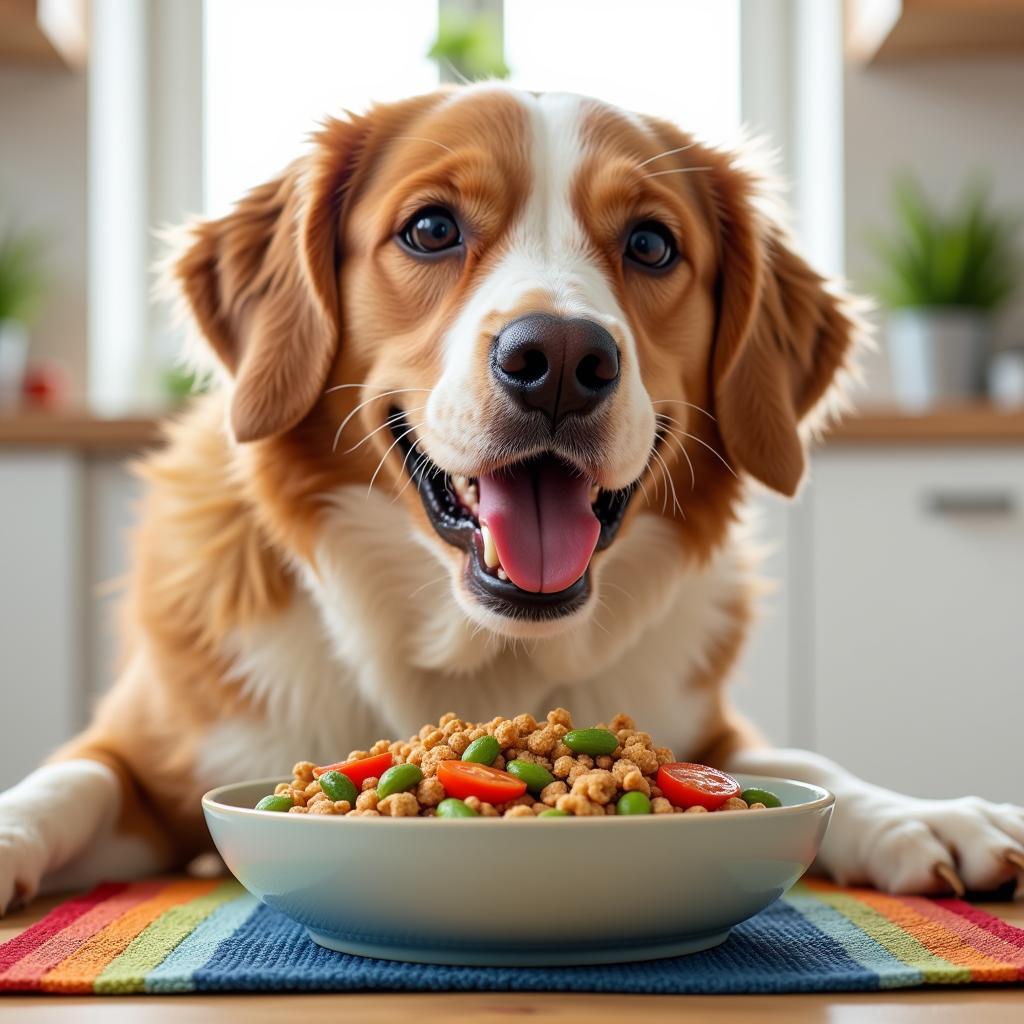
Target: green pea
[
  {"x": 591, "y": 741},
  {"x": 482, "y": 751},
  {"x": 553, "y": 812},
  {"x": 452, "y": 808},
  {"x": 275, "y": 802},
  {"x": 761, "y": 796},
  {"x": 338, "y": 786},
  {"x": 398, "y": 778},
  {"x": 633, "y": 803},
  {"x": 535, "y": 776}
]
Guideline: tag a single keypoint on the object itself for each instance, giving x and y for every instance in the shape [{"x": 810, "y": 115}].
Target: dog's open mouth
[{"x": 529, "y": 530}]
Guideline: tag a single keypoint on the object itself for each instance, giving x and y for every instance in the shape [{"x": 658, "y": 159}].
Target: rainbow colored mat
[{"x": 186, "y": 936}]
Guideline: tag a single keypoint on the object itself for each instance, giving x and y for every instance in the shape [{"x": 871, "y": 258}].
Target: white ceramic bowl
[{"x": 520, "y": 891}]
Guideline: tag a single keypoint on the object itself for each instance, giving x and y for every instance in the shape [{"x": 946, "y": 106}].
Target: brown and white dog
[{"x": 495, "y": 368}]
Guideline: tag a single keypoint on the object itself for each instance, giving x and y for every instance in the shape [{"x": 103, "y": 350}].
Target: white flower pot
[
  {"x": 13, "y": 356},
  {"x": 937, "y": 353}
]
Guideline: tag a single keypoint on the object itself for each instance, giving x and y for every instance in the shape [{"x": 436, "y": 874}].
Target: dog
[{"x": 495, "y": 372}]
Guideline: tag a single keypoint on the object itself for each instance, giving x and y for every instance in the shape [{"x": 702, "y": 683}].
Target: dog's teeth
[
  {"x": 594, "y": 492},
  {"x": 491, "y": 559},
  {"x": 502, "y": 575},
  {"x": 459, "y": 481}
]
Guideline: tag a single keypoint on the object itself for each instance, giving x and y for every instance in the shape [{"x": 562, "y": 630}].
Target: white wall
[
  {"x": 43, "y": 185},
  {"x": 943, "y": 120}
]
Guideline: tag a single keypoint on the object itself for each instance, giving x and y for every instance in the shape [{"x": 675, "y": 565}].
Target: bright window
[
  {"x": 678, "y": 59},
  {"x": 274, "y": 69}
]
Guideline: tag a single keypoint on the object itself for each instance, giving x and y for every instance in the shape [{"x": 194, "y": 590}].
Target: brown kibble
[
  {"x": 576, "y": 803},
  {"x": 525, "y": 723},
  {"x": 598, "y": 786},
  {"x": 282, "y": 787},
  {"x": 399, "y": 805},
  {"x": 659, "y": 805},
  {"x": 655, "y": 791},
  {"x": 585, "y": 759},
  {"x": 499, "y": 762},
  {"x": 621, "y": 721},
  {"x": 313, "y": 787},
  {"x": 297, "y": 810},
  {"x": 635, "y": 782},
  {"x": 734, "y": 803},
  {"x": 622, "y": 767},
  {"x": 559, "y": 716},
  {"x": 369, "y": 783},
  {"x": 448, "y": 716},
  {"x": 458, "y": 741},
  {"x": 519, "y": 811},
  {"x": 562, "y": 766},
  {"x": 432, "y": 739},
  {"x": 298, "y": 796},
  {"x": 646, "y": 760},
  {"x": 696, "y": 809},
  {"x": 316, "y": 798},
  {"x": 321, "y": 807},
  {"x": 342, "y": 806},
  {"x": 664, "y": 755},
  {"x": 367, "y": 800},
  {"x": 475, "y": 734},
  {"x": 429, "y": 792},
  {"x": 379, "y": 747},
  {"x": 303, "y": 770},
  {"x": 542, "y": 741},
  {"x": 757, "y": 806},
  {"x": 603, "y": 761},
  {"x": 506, "y": 734},
  {"x": 550, "y": 793}
]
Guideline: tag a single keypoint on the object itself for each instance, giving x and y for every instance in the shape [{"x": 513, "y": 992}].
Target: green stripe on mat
[
  {"x": 127, "y": 972},
  {"x": 934, "y": 969}
]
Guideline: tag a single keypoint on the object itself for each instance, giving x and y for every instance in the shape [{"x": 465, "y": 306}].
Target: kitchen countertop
[
  {"x": 953, "y": 425},
  {"x": 936, "y": 1005}
]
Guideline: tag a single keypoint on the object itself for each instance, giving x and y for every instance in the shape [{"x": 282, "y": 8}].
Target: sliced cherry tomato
[
  {"x": 688, "y": 785},
  {"x": 362, "y": 768},
  {"x": 467, "y": 778}
]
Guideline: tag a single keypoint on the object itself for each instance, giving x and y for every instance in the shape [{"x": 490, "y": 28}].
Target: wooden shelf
[
  {"x": 884, "y": 31},
  {"x": 955, "y": 425},
  {"x": 78, "y": 432},
  {"x": 54, "y": 33}
]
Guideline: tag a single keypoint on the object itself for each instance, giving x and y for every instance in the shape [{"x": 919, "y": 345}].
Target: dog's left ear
[
  {"x": 262, "y": 284},
  {"x": 782, "y": 335}
]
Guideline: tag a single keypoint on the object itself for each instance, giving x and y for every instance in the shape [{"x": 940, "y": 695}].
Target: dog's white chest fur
[{"x": 376, "y": 645}]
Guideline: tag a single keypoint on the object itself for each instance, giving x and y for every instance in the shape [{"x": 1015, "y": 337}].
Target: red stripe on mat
[
  {"x": 996, "y": 925},
  {"x": 57, "y": 919}
]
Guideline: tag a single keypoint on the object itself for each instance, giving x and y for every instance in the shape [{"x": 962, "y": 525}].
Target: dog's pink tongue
[{"x": 542, "y": 524}]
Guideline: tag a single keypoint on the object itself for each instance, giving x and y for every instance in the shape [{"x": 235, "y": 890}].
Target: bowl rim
[{"x": 824, "y": 799}]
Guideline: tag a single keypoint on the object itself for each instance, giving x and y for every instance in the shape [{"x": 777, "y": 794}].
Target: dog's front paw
[
  {"x": 22, "y": 861},
  {"x": 905, "y": 845}
]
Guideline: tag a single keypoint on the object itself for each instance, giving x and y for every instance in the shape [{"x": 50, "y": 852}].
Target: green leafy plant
[
  {"x": 471, "y": 45},
  {"x": 966, "y": 257},
  {"x": 22, "y": 276}
]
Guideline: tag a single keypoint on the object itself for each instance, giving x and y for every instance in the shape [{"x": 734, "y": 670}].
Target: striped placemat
[{"x": 190, "y": 935}]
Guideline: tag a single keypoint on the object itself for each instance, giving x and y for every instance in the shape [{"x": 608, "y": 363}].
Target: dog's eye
[
  {"x": 432, "y": 229},
  {"x": 651, "y": 245}
]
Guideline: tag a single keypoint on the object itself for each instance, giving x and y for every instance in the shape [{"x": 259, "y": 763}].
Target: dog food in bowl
[{"x": 513, "y": 768}]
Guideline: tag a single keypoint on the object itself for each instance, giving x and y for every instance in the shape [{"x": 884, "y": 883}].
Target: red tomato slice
[
  {"x": 363, "y": 768},
  {"x": 687, "y": 785},
  {"x": 466, "y": 778}
]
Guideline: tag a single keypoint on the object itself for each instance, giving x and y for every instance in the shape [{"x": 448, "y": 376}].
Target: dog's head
[{"x": 534, "y": 317}]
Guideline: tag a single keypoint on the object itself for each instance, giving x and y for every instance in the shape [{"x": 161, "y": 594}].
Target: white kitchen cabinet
[{"x": 917, "y": 612}]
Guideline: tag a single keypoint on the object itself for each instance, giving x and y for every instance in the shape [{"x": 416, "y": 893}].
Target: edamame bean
[
  {"x": 633, "y": 803},
  {"x": 482, "y": 751},
  {"x": 591, "y": 741},
  {"x": 275, "y": 802},
  {"x": 398, "y": 778},
  {"x": 760, "y": 796},
  {"x": 535, "y": 776},
  {"x": 338, "y": 786},
  {"x": 452, "y": 808},
  {"x": 553, "y": 812}
]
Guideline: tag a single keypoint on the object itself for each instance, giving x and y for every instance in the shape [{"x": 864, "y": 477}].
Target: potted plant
[
  {"x": 946, "y": 275},
  {"x": 21, "y": 287}
]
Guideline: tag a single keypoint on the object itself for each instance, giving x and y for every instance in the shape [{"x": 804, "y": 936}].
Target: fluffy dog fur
[{"x": 289, "y": 596}]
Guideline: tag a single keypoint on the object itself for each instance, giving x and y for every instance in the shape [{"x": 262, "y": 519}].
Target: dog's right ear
[{"x": 262, "y": 284}]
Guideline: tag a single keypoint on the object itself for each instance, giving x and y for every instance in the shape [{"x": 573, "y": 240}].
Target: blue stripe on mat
[
  {"x": 176, "y": 972},
  {"x": 777, "y": 951}
]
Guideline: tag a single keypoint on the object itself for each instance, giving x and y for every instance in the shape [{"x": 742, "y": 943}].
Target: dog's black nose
[{"x": 554, "y": 364}]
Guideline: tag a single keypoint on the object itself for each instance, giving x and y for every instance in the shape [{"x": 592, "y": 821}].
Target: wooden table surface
[{"x": 935, "y": 1006}]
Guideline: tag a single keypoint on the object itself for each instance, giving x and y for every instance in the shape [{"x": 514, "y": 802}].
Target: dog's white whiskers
[
  {"x": 689, "y": 405},
  {"x": 670, "y": 435},
  {"x": 433, "y": 142},
  {"x": 416, "y": 465},
  {"x": 718, "y": 455},
  {"x": 380, "y": 465},
  {"x": 668, "y": 152},
  {"x": 372, "y": 398},
  {"x": 429, "y": 583},
  {"x": 395, "y": 417},
  {"x": 671, "y": 484},
  {"x": 677, "y": 170},
  {"x": 615, "y": 586}
]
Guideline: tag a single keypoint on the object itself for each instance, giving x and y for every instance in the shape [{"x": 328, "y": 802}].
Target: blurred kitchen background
[{"x": 894, "y": 638}]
